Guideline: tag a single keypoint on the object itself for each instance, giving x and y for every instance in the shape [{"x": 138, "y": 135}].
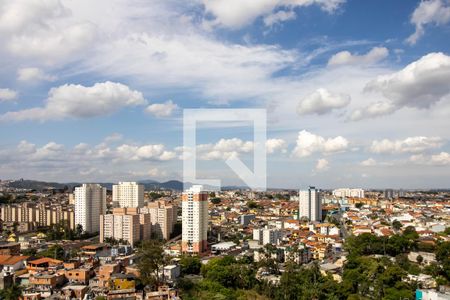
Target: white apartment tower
[
  {"x": 195, "y": 220},
  {"x": 128, "y": 194},
  {"x": 90, "y": 203},
  {"x": 310, "y": 204}
]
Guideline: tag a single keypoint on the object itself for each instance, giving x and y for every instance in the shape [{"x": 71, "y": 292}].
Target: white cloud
[
  {"x": 146, "y": 152},
  {"x": 43, "y": 30},
  {"x": 436, "y": 12},
  {"x": 440, "y": 159},
  {"x": 7, "y": 95},
  {"x": 373, "y": 110},
  {"x": 278, "y": 17},
  {"x": 370, "y": 162},
  {"x": 346, "y": 58},
  {"x": 238, "y": 13},
  {"x": 321, "y": 102},
  {"x": 114, "y": 137},
  {"x": 415, "y": 144},
  {"x": 77, "y": 101},
  {"x": 161, "y": 110},
  {"x": 322, "y": 164},
  {"x": 26, "y": 147},
  {"x": 274, "y": 145},
  {"x": 33, "y": 74},
  {"x": 223, "y": 149},
  {"x": 308, "y": 143},
  {"x": 420, "y": 84}
]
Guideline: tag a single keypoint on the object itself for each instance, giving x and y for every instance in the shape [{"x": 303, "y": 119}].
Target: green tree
[
  {"x": 12, "y": 293},
  {"x": 190, "y": 265},
  {"x": 150, "y": 261},
  {"x": 397, "y": 225},
  {"x": 55, "y": 252}
]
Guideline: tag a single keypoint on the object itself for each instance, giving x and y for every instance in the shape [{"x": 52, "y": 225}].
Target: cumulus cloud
[
  {"x": 373, "y": 110},
  {"x": 322, "y": 164},
  {"x": 321, "y": 102},
  {"x": 53, "y": 160},
  {"x": 161, "y": 110},
  {"x": 224, "y": 149},
  {"x": 238, "y": 13},
  {"x": 7, "y": 95},
  {"x": 26, "y": 147},
  {"x": 420, "y": 84},
  {"x": 440, "y": 159},
  {"x": 415, "y": 144},
  {"x": 309, "y": 143},
  {"x": 146, "y": 152},
  {"x": 436, "y": 12},
  {"x": 33, "y": 74},
  {"x": 114, "y": 137},
  {"x": 221, "y": 150},
  {"x": 370, "y": 162},
  {"x": 346, "y": 58},
  {"x": 43, "y": 30},
  {"x": 274, "y": 145},
  {"x": 77, "y": 101}
]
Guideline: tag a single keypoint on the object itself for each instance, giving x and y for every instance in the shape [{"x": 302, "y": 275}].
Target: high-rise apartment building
[
  {"x": 346, "y": 192},
  {"x": 195, "y": 220},
  {"x": 128, "y": 194},
  {"x": 163, "y": 216},
  {"x": 125, "y": 224},
  {"x": 310, "y": 204},
  {"x": 90, "y": 203}
]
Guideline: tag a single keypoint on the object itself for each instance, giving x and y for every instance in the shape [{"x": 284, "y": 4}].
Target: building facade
[
  {"x": 90, "y": 203},
  {"x": 125, "y": 224},
  {"x": 346, "y": 192},
  {"x": 310, "y": 204},
  {"x": 195, "y": 220},
  {"x": 128, "y": 194},
  {"x": 41, "y": 214},
  {"x": 163, "y": 216}
]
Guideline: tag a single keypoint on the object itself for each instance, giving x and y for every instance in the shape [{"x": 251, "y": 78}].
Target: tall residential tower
[
  {"x": 195, "y": 220},
  {"x": 310, "y": 204},
  {"x": 128, "y": 194},
  {"x": 90, "y": 203}
]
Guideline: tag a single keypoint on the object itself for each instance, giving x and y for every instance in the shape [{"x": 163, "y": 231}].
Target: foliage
[
  {"x": 150, "y": 261},
  {"x": 190, "y": 265},
  {"x": 252, "y": 205},
  {"x": 359, "y": 205},
  {"x": 397, "y": 225},
  {"x": 55, "y": 252},
  {"x": 216, "y": 200},
  {"x": 12, "y": 293},
  {"x": 62, "y": 231},
  {"x": 364, "y": 276},
  {"x": 443, "y": 257}
]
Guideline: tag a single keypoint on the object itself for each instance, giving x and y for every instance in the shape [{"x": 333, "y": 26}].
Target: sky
[{"x": 357, "y": 93}]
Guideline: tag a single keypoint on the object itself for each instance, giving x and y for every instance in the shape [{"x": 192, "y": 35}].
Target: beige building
[
  {"x": 125, "y": 224},
  {"x": 42, "y": 214},
  {"x": 163, "y": 217}
]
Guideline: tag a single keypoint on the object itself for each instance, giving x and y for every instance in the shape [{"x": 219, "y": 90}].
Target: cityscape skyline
[{"x": 89, "y": 94}]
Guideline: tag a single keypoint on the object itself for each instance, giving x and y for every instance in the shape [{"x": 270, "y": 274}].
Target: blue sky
[{"x": 357, "y": 92}]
